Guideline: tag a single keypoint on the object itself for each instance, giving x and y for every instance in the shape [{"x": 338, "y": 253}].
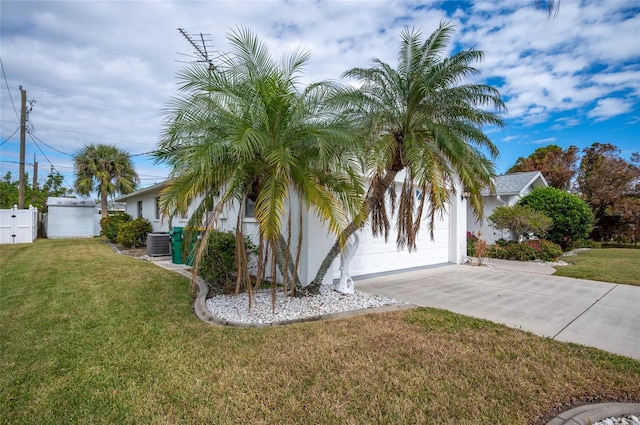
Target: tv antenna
[{"x": 201, "y": 48}]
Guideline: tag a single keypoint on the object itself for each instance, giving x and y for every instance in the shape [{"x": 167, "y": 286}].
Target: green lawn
[
  {"x": 91, "y": 337},
  {"x": 617, "y": 265}
]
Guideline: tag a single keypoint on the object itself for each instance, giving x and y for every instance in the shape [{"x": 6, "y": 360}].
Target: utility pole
[
  {"x": 35, "y": 172},
  {"x": 23, "y": 136}
]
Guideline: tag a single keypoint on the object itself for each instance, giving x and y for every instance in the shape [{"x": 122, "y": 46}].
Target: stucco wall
[{"x": 70, "y": 218}]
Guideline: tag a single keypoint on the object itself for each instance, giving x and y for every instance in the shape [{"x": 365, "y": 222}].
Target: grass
[
  {"x": 616, "y": 265},
  {"x": 94, "y": 338}
]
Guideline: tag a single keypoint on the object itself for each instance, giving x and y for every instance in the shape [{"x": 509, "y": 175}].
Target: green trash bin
[
  {"x": 192, "y": 247},
  {"x": 177, "y": 244}
]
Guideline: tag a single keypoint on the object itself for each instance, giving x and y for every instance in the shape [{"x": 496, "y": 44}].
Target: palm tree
[
  {"x": 552, "y": 7},
  {"x": 423, "y": 118},
  {"x": 104, "y": 168},
  {"x": 243, "y": 130}
]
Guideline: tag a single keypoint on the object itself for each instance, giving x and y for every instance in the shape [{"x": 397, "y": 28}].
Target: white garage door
[{"x": 374, "y": 256}]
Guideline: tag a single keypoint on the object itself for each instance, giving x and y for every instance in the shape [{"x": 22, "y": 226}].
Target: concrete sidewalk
[{"x": 524, "y": 296}]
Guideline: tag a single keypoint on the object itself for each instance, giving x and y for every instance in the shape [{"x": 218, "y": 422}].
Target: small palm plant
[
  {"x": 246, "y": 130},
  {"x": 424, "y": 118}
]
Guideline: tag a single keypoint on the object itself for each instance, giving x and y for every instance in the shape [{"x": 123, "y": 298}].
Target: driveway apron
[{"x": 597, "y": 314}]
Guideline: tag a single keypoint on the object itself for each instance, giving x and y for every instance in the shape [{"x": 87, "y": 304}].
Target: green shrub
[
  {"x": 109, "y": 225},
  {"x": 520, "y": 220},
  {"x": 472, "y": 240},
  {"x": 218, "y": 266},
  {"x": 134, "y": 233},
  {"x": 572, "y": 217},
  {"x": 546, "y": 250},
  {"x": 526, "y": 251},
  {"x": 585, "y": 243}
]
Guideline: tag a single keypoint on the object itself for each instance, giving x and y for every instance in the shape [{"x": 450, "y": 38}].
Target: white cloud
[
  {"x": 546, "y": 141},
  {"x": 103, "y": 71},
  {"x": 609, "y": 107}
]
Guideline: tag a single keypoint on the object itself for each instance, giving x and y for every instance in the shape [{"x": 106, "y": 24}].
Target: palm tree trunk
[
  {"x": 314, "y": 286},
  {"x": 103, "y": 203},
  {"x": 282, "y": 253}
]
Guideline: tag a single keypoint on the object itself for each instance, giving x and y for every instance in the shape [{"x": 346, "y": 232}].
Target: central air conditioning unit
[{"x": 158, "y": 245}]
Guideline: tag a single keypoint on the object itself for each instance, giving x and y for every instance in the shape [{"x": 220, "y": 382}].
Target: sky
[{"x": 103, "y": 71}]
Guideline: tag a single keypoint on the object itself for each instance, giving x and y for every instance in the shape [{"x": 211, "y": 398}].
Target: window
[
  {"x": 139, "y": 209},
  {"x": 249, "y": 208},
  {"x": 157, "y": 208}
]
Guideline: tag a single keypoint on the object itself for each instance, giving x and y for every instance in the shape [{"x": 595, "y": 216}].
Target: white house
[
  {"x": 372, "y": 256},
  {"x": 509, "y": 189}
]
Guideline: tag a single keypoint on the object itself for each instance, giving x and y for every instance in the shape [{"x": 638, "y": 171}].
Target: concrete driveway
[{"x": 525, "y": 296}]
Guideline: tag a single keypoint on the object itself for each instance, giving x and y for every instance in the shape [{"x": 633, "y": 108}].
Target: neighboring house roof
[
  {"x": 155, "y": 188},
  {"x": 517, "y": 183}
]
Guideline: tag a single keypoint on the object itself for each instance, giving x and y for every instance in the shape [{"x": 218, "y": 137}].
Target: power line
[
  {"x": 49, "y": 146},
  {"x": 7, "y": 83},
  {"x": 3, "y": 142},
  {"x": 45, "y": 157}
]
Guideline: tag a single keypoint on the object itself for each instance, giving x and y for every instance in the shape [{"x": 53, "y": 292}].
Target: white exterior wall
[
  {"x": 70, "y": 218},
  {"x": 488, "y": 233},
  {"x": 458, "y": 228},
  {"x": 374, "y": 255},
  {"x": 149, "y": 212}
]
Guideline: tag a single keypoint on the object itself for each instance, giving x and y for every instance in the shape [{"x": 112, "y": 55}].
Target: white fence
[{"x": 18, "y": 226}]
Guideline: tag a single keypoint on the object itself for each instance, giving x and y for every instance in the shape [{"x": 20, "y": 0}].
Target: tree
[
  {"x": 8, "y": 191},
  {"x": 572, "y": 217},
  {"x": 245, "y": 130},
  {"x": 627, "y": 211},
  {"x": 522, "y": 221},
  {"x": 558, "y": 166},
  {"x": 106, "y": 169},
  {"x": 424, "y": 118},
  {"x": 605, "y": 180},
  {"x": 37, "y": 196}
]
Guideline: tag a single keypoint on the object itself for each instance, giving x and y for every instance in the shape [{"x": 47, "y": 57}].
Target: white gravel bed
[
  {"x": 627, "y": 420},
  {"x": 235, "y": 308}
]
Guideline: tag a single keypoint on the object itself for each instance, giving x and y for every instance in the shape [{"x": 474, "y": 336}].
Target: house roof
[
  {"x": 516, "y": 183},
  {"x": 155, "y": 188},
  {"x": 70, "y": 202}
]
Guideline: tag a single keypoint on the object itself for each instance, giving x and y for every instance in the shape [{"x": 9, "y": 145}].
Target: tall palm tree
[
  {"x": 425, "y": 119},
  {"x": 104, "y": 168},
  {"x": 244, "y": 130}
]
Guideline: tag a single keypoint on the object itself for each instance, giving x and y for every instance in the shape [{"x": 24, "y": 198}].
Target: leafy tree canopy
[
  {"x": 611, "y": 186},
  {"x": 105, "y": 168},
  {"x": 572, "y": 217},
  {"x": 521, "y": 220},
  {"x": 36, "y": 196},
  {"x": 557, "y": 165}
]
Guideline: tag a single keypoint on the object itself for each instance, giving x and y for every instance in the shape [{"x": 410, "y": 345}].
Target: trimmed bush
[
  {"x": 520, "y": 220},
  {"x": 110, "y": 224},
  {"x": 526, "y": 251},
  {"x": 572, "y": 217},
  {"x": 134, "y": 233},
  {"x": 218, "y": 266}
]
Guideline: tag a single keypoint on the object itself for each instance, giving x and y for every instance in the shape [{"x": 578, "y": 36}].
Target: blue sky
[{"x": 101, "y": 72}]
